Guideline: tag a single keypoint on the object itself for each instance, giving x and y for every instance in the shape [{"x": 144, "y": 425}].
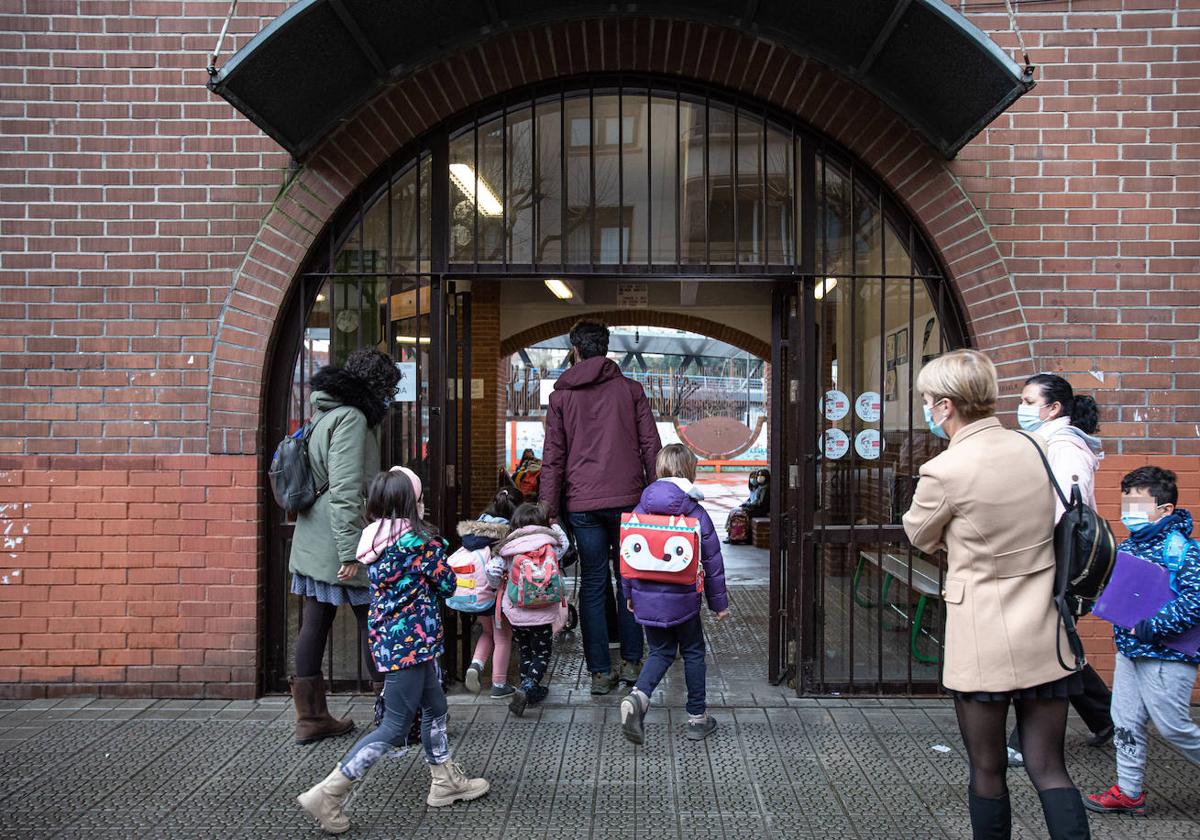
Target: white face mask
[{"x": 1029, "y": 417}]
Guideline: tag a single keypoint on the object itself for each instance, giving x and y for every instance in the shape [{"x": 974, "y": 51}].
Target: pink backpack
[
  {"x": 535, "y": 580},
  {"x": 472, "y": 593}
]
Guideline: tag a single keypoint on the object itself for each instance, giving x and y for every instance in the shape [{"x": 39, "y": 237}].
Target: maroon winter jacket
[{"x": 601, "y": 440}]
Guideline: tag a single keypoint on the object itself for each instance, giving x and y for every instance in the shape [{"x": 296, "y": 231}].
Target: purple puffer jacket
[{"x": 668, "y": 604}]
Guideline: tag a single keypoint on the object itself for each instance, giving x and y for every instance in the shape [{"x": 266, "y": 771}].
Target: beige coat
[{"x": 987, "y": 500}]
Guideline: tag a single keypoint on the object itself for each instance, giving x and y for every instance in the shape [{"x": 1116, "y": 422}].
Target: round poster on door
[
  {"x": 837, "y": 444},
  {"x": 867, "y": 406},
  {"x": 837, "y": 405},
  {"x": 867, "y": 444}
]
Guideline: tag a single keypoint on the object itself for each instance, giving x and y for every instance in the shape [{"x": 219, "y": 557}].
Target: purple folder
[{"x": 1138, "y": 589}]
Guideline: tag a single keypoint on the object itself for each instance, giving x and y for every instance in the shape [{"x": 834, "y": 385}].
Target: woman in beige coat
[{"x": 987, "y": 501}]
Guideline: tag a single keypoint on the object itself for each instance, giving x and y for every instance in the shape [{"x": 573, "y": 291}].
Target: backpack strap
[
  {"x": 1049, "y": 471},
  {"x": 1065, "y": 619}
]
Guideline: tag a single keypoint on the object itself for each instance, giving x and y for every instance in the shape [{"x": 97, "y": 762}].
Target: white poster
[
  {"x": 867, "y": 406},
  {"x": 836, "y": 405},
  {"x": 837, "y": 444},
  {"x": 406, "y": 388},
  {"x": 867, "y": 444},
  {"x": 633, "y": 295}
]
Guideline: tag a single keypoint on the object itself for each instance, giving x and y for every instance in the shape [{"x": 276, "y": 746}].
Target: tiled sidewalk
[{"x": 778, "y": 766}]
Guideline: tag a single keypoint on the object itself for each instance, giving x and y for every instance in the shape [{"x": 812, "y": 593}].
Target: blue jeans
[
  {"x": 689, "y": 639},
  {"x": 597, "y": 536},
  {"x": 405, "y": 692}
]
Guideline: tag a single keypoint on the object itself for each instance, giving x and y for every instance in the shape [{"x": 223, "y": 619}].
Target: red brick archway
[
  {"x": 640, "y": 318},
  {"x": 714, "y": 55}
]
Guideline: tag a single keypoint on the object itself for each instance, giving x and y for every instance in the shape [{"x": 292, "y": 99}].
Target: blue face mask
[
  {"x": 1135, "y": 522},
  {"x": 936, "y": 428},
  {"x": 1141, "y": 528},
  {"x": 1029, "y": 417}
]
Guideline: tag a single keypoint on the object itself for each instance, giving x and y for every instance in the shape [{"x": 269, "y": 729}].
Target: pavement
[{"x": 778, "y": 766}]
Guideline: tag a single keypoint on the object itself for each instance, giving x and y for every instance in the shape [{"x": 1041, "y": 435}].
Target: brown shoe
[{"x": 313, "y": 721}]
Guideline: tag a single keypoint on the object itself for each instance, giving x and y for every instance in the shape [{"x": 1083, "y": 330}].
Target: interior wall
[{"x": 742, "y": 305}]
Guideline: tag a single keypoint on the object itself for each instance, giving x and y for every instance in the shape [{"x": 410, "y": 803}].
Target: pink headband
[{"x": 412, "y": 478}]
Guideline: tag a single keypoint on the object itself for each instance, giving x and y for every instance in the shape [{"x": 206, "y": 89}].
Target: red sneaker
[{"x": 1114, "y": 801}]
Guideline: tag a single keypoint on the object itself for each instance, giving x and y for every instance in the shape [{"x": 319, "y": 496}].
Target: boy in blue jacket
[{"x": 1152, "y": 681}]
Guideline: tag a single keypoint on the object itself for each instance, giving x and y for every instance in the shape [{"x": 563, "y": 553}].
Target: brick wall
[
  {"x": 130, "y": 576},
  {"x": 148, "y": 234}
]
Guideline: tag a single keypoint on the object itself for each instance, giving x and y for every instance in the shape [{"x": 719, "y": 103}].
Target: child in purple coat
[{"x": 669, "y": 612}]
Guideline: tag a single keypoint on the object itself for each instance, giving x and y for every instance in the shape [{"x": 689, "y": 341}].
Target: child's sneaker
[
  {"x": 1114, "y": 801},
  {"x": 501, "y": 690},
  {"x": 700, "y": 727},
  {"x": 535, "y": 694},
  {"x": 633, "y": 716},
  {"x": 518, "y": 702},
  {"x": 471, "y": 678}
]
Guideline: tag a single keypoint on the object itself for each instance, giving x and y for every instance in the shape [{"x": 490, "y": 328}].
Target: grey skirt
[{"x": 330, "y": 593}]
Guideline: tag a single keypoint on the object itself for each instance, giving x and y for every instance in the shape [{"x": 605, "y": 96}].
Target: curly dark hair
[
  {"x": 376, "y": 369},
  {"x": 590, "y": 338},
  {"x": 1156, "y": 481}
]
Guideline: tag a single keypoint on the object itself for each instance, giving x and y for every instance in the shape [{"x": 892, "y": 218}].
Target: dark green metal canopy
[{"x": 315, "y": 64}]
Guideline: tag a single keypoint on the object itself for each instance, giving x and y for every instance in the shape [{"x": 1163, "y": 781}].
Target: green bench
[{"x": 925, "y": 581}]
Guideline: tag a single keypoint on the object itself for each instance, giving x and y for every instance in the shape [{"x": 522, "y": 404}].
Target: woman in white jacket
[{"x": 1068, "y": 423}]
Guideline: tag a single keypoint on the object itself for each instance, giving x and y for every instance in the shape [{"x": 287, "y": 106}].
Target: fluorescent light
[
  {"x": 559, "y": 289},
  {"x": 464, "y": 178},
  {"x": 824, "y": 287},
  {"x": 412, "y": 339}
]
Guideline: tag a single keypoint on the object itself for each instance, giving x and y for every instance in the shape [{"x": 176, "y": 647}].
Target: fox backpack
[{"x": 661, "y": 548}]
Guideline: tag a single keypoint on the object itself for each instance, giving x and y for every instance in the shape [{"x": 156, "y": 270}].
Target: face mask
[
  {"x": 1135, "y": 522},
  {"x": 1028, "y": 417},
  {"x": 936, "y": 428}
]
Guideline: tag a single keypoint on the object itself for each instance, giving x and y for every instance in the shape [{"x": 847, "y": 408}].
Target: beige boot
[
  {"x": 324, "y": 801},
  {"x": 450, "y": 785}
]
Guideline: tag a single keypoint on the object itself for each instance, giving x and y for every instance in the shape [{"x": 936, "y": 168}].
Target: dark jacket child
[
  {"x": 670, "y": 613},
  {"x": 1152, "y": 681},
  {"x": 495, "y": 639},
  {"x": 407, "y": 569},
  {"x": 532, "y": 598}
]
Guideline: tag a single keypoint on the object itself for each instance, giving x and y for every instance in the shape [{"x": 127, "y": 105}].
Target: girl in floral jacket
[{"x": 407, "y": 568}]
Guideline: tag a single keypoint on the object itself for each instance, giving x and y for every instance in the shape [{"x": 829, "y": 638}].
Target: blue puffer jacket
[
  {"x": 1179, "y": 615},
  {"x": 667, "y": 604}
]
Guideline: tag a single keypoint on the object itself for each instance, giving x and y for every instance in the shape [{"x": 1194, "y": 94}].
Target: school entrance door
[{"x": 651, "y": 181}]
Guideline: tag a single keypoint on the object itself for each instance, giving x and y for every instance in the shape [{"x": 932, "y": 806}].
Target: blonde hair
[
  {"x": 675, "y": 461},
  {"x": 967, "y": 378}
]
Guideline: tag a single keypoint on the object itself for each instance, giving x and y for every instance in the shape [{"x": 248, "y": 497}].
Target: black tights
[
  {"x": 314, "y": 630},
  {"x": 1043, "y": 726}
]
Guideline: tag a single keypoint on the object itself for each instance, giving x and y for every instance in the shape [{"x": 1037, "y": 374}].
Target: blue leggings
[{"x": 404, "y": 692}]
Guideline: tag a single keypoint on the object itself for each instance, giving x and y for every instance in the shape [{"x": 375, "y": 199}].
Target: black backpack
[
  {"x": 1085, "y": 550},
  {"x": 291, "y": 474}
]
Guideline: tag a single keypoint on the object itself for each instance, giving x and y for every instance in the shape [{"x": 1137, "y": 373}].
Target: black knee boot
[
  {"x": 1065, "y": 815},
  {"x": 991, "y": 819}
]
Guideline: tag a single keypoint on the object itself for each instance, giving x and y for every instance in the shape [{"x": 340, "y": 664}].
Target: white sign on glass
[
  {"x": 836, "y": 405},
  {"x": 868, "y": 406},
  {"x": 868, "y": 444},
  {"x": 837, "y": 444},
  {"x": 406, "y": 388}
]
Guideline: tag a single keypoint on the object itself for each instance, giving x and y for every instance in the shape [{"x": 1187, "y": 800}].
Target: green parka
[{"x": 343, "y": 450}]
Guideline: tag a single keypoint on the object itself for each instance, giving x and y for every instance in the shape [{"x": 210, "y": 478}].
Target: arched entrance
[{"x": 647, "y": 194}]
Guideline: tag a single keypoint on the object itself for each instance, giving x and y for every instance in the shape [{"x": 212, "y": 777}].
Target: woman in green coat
[{"x": 348, "y": 404}]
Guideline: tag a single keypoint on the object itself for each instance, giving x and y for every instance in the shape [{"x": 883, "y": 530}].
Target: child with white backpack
[
  {"x": 533, "y": 598},
  {"x": 475, "y": 595}
]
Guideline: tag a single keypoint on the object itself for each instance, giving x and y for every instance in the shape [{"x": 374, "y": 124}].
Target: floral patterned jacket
[{"x": 406, "y": 581}]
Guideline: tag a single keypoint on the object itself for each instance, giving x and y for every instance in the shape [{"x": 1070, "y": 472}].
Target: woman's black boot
[
  {"x": 991, "y": 819},
  {"x": 1065, "y": 815}
]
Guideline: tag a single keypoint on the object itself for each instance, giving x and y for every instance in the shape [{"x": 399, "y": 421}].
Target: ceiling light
[
  {"x": 412, "y": 339},
  {"x": 824, "y": 287},
  {"x": 559, "y": 289},
  {"x": 321, "y": 298},
  {"x": 465, "y": 179}
]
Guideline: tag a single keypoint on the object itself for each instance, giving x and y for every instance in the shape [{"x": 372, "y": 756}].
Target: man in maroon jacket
[{"x": 598, "y": 457}]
